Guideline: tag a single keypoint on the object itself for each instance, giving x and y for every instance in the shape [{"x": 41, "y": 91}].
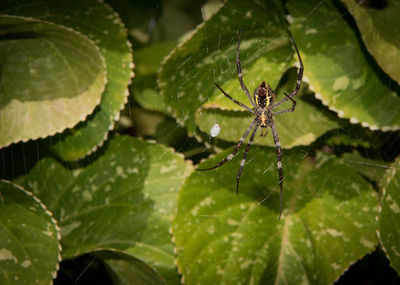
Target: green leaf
[
  {"x": 51, "y": 78},
  {"x": 147, "y": 61},
  {"x": 338, "y": 70},
  {"x": 352, "y": 136},
  {"x": 187, "y": 75},
  {"x": 373, "y": 169},
  {"x": 129, "y": 270},
  {"x": 123, "y": 200},
  {"x": 389, "y": 216},
  {"x": 29, "y": 244},
  {"x": 328, "y": 221},
  {"x": 378, "y": 29},
  {"x": 100, "y": 23}
]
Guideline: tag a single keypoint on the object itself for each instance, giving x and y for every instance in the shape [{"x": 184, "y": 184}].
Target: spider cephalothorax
[{"x": 263, "y": 106}]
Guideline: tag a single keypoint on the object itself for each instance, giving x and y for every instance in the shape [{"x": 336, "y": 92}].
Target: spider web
[{"x": 329, "y": 141}]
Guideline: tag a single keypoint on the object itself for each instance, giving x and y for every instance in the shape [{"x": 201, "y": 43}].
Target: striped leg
[
  {"x": 288, "y": 110},
  {"x": 244, "y": 158},
  {"x": 234, "y": 101},
  {"x": 239, "y": 69},
  {"x": 279, "y": 162},
  {"x": 235, "y": 150},
  {"x": 299, "y": 77}
]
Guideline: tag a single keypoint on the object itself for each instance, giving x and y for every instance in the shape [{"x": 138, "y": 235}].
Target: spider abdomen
[
  {"x": 261, "y": 100},
  {"x": 263, "y": 95}
]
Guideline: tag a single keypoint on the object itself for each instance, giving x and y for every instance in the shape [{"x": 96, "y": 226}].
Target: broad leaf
[
  {"x": 352, "y": 136},
  {"x": 328, "y": 221},
  {"x": 338, "y": 70},
  {"x": 389, "y": 216},
  {"x": 123, "y": 200},
  {"x": 101, "y": 24},
  {"x": 187, "y": 74},
  {"x": 51, "y": 78},
  {"x": 29, "y": 245},
  {"x": 265, "y": 55},
  {"x": 378, "y": 29},
  {"x": 373, "y": 169},
  {"x": 129, "y": 270}
]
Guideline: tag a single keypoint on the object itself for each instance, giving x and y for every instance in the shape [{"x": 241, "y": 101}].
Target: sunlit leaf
[
  {"x": 328, "y": 221},
  {"x": 29, "y": 245},
  {"x": 123, "y": 200},
  {"x": 378, "y": 29},
  {"x": 265, "y": 55},
  {"x": 101, "y": 24},
  {"x": 51, "y": 78},
  {"x": 338, "y": 69},
  {"x": 389, "y": 216},
  {"x": 188, "y": 74}
]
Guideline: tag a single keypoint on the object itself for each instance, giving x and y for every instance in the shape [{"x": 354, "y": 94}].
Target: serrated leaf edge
[
  {"x": 126, "y": 92},
  {"x": 390, "y": 173},
  {"x": 53, "y": 220},
  {"x": 341, "y": 114},
  {"x": 97, "y": 102}
]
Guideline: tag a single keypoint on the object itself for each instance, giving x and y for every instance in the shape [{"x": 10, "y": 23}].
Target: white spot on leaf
[
  {"x": 87, "y": 196},
  {"x": 5, "y": 254},
  {"x": 26, "y": 263},
  {"x": 395, "y": 207},
  {"x": 341, "y": 83},
  {"x": 165, "y": 169},
  {"x": 367, "y": 243},
  {"x": 333, "y": 232},
  {"x": 66, "y": 230},
  {"x": 311, "y": 31}
]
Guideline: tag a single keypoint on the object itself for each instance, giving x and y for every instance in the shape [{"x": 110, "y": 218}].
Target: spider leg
[
  {"x": 239, "y": 69},
  {"x": 288, "y": 110},
  {"x": 279, "y": 162},
  {"x": 235, "y": 149},
  {"x": 299, "y": 77},
  {"x": 234, "y": 101},
  {"x": 244, "y": 158}
]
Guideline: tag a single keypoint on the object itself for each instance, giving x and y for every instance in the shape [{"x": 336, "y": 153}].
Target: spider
[{"x": 263, "y": 106}]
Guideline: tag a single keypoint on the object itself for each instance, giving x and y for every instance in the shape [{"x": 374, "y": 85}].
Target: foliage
[
  {"x": 78, "y": 79},
  {"x": 377, "y": 34},
  {"x": 388, "y": 216},
  {"x": 327, "y": 207},
  {"x": 30, "y": 249},
  {"x": 98, "y": 23},
  {"x": 80, "y": 187},
  {"x": 331, "y": 61}
]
